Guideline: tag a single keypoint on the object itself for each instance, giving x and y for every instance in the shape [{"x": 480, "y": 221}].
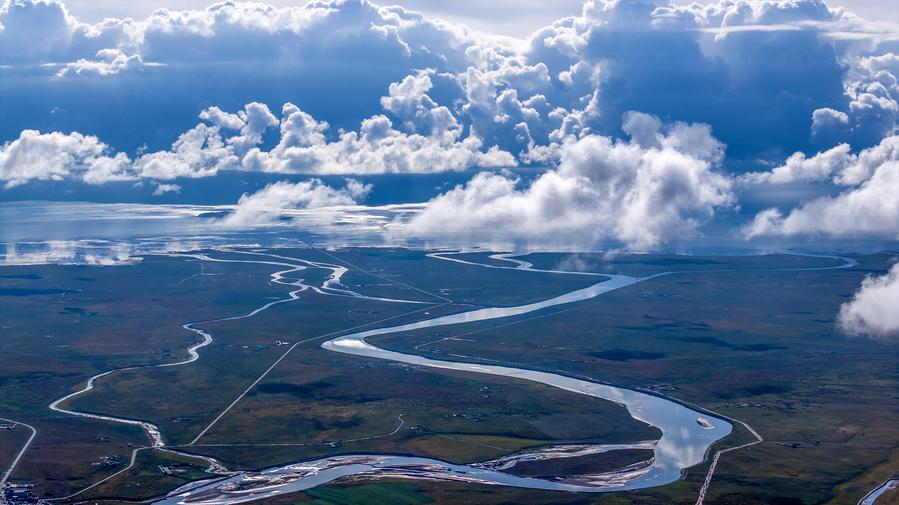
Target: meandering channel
[{"x": 687, "y": 433}]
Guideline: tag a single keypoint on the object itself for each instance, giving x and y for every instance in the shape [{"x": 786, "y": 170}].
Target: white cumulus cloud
[
  {"x": 198, "y": 152},
  {"x": 56, "y": 156},
  {"x": 162, "y": 189},
  {"x": 869, "y": 207},
  {"x": 873, "y": 309},
  {"x": 376, "y": 148},
  {"x": 872, "y": 96},
  {"x": 657, "y": 187},
  {"x": 269, "y": 203},
  {"x": 230, "y": 141}
]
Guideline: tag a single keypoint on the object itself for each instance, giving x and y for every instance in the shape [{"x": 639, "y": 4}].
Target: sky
[{"x": 628, "y": 124}]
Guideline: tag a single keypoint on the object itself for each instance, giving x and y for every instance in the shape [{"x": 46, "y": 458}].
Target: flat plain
[{"x": 748, "y": 337}]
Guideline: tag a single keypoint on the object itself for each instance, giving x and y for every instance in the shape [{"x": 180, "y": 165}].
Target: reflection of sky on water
[
  {"x": 41, "y": 221},
  {"x": 74, "y": 232},
  {"x": 104, "y": 233}
]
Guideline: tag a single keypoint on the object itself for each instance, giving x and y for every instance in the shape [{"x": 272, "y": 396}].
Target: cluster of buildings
[{"x": 19, "y": 494}]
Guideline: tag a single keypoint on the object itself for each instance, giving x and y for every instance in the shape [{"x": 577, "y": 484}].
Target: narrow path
[
  {"x": 22, "y": 451},
  {"x": 708, "y": 478}
]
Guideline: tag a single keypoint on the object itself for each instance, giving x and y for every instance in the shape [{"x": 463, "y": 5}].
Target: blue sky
[{"x": 636, "y": 123}]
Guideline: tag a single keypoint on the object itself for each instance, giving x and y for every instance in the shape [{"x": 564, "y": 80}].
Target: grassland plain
[
  {"x": 115, "y": 317},
  {"x": 318, "y": 397},
  {"x": 759, "y": 346},
  {"x": 101, "y": 318},
  {"x": 183, "y": 399},
  {"x": 332, "y": 407}
]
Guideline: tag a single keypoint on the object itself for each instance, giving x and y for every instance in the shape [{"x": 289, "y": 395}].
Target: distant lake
[
  {"x": 84, "y": 232},
  {"x": 106, "y": 233}
]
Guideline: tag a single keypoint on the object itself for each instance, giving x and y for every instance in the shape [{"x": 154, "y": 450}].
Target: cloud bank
[
  {"x": 831, "y": 79},
  {"x": 228, "y": 141}
]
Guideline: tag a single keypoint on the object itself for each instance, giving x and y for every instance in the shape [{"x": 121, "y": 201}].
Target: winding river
[
  {"x": 686, "y": 437},
  {"x": 871, "y": 498},
  {"x": 687, "y": 434}
]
